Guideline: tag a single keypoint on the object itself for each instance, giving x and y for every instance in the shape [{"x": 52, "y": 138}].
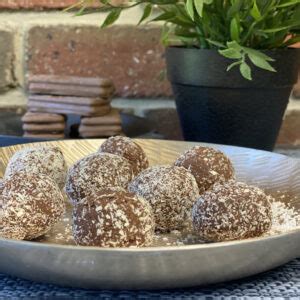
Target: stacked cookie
[
  {"x": 53, "y": 97},
  {"x": 43, "y": 125},
  {"x": 101, "y": 126},
  {"x": 70, "y": 95}
]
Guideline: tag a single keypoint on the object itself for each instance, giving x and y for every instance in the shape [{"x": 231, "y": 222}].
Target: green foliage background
[{"x": 239, "y": 29}]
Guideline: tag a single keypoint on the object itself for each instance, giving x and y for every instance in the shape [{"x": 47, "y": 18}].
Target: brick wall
[
  {"x": 53, "y": 42},
  {"x": 131, "y": 56},
  {"x": 42, "y": 4},
  {"x": 33, "y": 4}
]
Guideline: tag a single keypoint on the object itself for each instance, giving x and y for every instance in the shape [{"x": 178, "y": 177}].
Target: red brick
[
  {"x": 131, "y": 56},
  {"x": 37, "y": 4},
  {"x": 290, "y": 133}
]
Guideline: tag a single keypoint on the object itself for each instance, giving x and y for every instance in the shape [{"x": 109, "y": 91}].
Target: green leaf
[
  {"x": 199, "y": 4},
  {"x": 166, "y": 16},
  {"x": 199, "y": 7},
  {"x": 289, "y": 3},
  {"x": 260, "y": 62},
  {"x": 112, "y": 17},
  {"x": 190, "y": 8},
  {"x": 233, "y": 9},
  {"x": 277, "y": 29},
  {"x": 216, "y": 43},
  {"x": 245, "y": 71},
  {"x": 234, "y": 30},
  {"x": 258, "y": 53},
  {"x": 236, "y": 63},
  {"x": 255, "y": 13},
  {"x": 147, "y": 13},
  {"x": 234, "y": 45},
  {"x": 231, "y": 53}
]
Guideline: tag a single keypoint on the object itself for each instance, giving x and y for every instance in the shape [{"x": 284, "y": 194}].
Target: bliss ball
[
  {"x": 232, "y": 211},
  {"x": 88, "y": 176},
  {"x": 113, "y": 218},
  {"x": 32, "y": 205},
  {"x": 39, "y": 160},
  {"x": 209, "y": 166},
  {"x": 171, "y": 192},
  {"x": 127, "y": 148}
]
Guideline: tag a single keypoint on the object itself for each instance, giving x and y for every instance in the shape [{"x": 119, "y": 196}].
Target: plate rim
[{"x": 153, "y": 248}]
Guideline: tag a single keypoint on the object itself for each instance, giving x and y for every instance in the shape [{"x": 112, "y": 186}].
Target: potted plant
[{"x": 229, "y": 63}]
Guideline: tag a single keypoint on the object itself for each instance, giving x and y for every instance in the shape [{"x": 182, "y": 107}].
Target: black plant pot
[{"x": 222, "y": 107}]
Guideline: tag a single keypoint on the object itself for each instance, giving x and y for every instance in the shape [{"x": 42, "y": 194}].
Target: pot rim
[{"x": 193, "y": 66}]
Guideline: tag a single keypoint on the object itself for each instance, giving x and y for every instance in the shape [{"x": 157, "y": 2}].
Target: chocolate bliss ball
[
  {"x": 39, "y": 160},
  {"x": 127, "y": 148},
  {"x": 171, "y": 192},
  {"x": 88, "y": 176},
  {"x": 208, "y": 166},
  {"x": 32, "y": 205},
  {"x": 232, "y": 211},
  {"x": 113, "y": 218}
]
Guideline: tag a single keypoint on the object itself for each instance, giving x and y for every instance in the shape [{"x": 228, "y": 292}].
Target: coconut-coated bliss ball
[
  {"x": 208, "y": 166},
  {"x": 39, "y": 160},
  {"x": 232, "y": 211},
  {"x": 32, "y": 205},
  {"x": 113, "y": 218},
  {"x": 88, "y": 176},
  {"x": 171, "y": 192},
  {"x": 127, "y": 148}
]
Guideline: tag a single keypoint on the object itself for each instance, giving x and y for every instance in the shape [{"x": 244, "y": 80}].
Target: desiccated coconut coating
[
  {"x": 208, "y": 166},
  {"x": 171, "y": 192},
  {"x": 1, "y": 190},
  {"x": 32, "y": 204},
  {"x": 113, "y": 218},
  {"x": 232, "y": 211},
  {"x": 39, "y": 160},
  {"x": 1, "y": 185},
  {"x": 13, "y": 232},
  {"x": 128, "y": 149},
  {"x": 88, "y": 176}
]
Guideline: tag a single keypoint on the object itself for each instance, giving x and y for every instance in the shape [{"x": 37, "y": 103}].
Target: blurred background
[{"x": 37, "y": 37}]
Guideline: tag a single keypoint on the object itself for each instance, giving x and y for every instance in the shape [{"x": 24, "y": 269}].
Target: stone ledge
[{"x": 13, "y": 100}]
